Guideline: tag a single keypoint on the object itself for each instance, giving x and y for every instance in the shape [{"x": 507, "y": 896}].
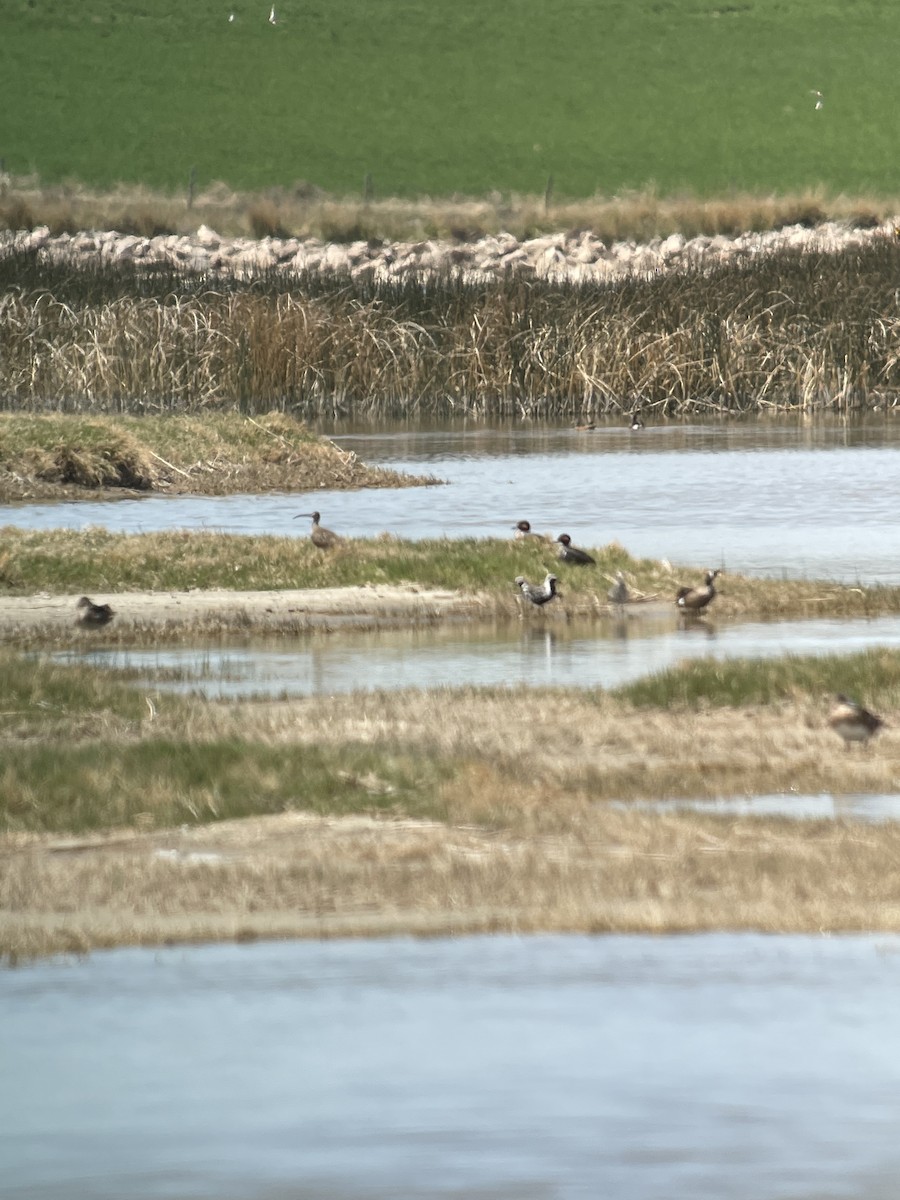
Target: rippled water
[
  {"x": 714, "y": 1067},
  {"x": 542, "y": 651},
  {"x": 780, "y": 499}
]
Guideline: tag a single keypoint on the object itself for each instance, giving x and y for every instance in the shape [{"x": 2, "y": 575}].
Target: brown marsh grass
[
  {"x": 63, "y": 561},
  {"x": 49, "y": 455},
  {"x": 803, "y": 330},
  {"x": 525, "y": 837},
  {"x": 306, "y": 211}
]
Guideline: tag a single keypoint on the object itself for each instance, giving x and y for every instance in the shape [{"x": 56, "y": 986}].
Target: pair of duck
[
  {"x": 634, "y": 424},
  {"x": 566, "y": 553}
]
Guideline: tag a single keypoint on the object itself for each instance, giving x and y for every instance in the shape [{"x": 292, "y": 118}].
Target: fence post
[
  {"x": 368, "y": 189},
  {"x": 192, "y": 180},
  {"x": 548, "y": 194}
]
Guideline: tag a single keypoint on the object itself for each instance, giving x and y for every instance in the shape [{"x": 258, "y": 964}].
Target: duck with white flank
[
  {"x": 325, "y": 539},
  {"x": 571, "y": 554},
  {"x": 94, "y": 615},
  {"x": 538, "y": 593},
  {"x": 523, "y": 530},
  {"x": 852, "y": 722},
  {"x": 636, "y": 422},
  {"x": 695, "y": 599},
  {"x": 619, "y": 593}
]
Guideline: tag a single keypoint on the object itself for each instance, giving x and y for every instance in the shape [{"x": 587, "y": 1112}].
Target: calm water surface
[
  {"x": 715, "y": 1067},
  {"x": 544, "y": 651},
  {"x": 818, "y": 501}
]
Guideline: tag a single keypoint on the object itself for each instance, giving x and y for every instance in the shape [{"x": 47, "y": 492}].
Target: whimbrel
[
  {"x": 538, "y": 593},
  {"x": 571, "y": 554},
  {"x": 94, "y": 615},
  {"x": 852, "y": 722},
  {"x": 325, "y": 539},
  {"x": 696, "y": 598}
]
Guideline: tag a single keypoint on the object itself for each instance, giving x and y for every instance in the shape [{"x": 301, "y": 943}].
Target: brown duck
[
  {"x": 851, "y": 721},
  {"x": 94, "y": 615}
]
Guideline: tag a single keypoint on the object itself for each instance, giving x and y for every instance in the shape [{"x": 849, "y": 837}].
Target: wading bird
[
  {"x": 94, "y": 615},
  {"x": 538, "y": 593},
  {"x": 619, "y": 593},
  {"x": 696, "y": 598},
  {"x": 325, "y": 539},
  {"x": 852, "y": 722},
  {"x": 571, "y": 554}
]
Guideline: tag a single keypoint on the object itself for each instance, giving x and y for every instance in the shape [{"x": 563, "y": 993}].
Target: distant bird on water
[
  {"x": 820, "y": 99},
  {"x": 523, "y": 530},
  {"x": 636, "y": 422},
  {"x": 571, "y": 554},
  {"x": 585, "y": 428},
  {"x": 852, "y": 722},
  {"x": 619, "y": 593},
  {"x": 325, "y": 539},
  {"x": 538, "y": 593},
  {"x": 94, "y": 615},
  {"x": 697, "y": 598}
]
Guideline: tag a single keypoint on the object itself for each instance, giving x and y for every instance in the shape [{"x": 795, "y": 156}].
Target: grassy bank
[
  {"x": 433, "y": 811},
  {"x": 803, "y": 330},
  {"x": 601, "y": 96},
  {"x": 97, "y": 561},
  {"x": 55, "y": 456}
]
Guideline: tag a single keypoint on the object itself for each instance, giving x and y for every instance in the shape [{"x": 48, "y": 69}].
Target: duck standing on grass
[
  {"x": 525, "y": 532},
  {"x": 94, "y": 615},
  {"x": 851, "y": 721},
  {"x": 571, "y": 554},
  {"x": 325, "y": 539},
  {"x": 695, "y": 599},
  {"x": 538, "y": 593}
]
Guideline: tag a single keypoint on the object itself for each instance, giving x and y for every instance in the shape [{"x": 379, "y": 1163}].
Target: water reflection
[
  {"x": 738, "y": 1066},
  {"x": 786, "y": 500},
  {"x": 871, "y": 809},
  {"x": 539, "y": 651}
]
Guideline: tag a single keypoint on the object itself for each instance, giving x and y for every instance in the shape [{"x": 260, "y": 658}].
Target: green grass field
[{"x": 463, "y": 97}]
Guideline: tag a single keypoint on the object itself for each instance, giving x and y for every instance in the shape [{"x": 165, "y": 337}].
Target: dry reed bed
[
  {"x": 309, "y": 212},
  {"x": 789, "y": 330},
  {"x": 529, "y": 843}
]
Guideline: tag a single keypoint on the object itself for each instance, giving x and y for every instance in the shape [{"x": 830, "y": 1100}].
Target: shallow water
[
  {"x": 540, "y": 651},
  {"x": 715, "y": 1067},
  {"x": 870, "y": 809},
  {"x": 789, "y": 500}
]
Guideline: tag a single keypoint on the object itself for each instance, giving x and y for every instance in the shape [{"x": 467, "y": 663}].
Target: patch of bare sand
[{"x": 407, "y": 603}]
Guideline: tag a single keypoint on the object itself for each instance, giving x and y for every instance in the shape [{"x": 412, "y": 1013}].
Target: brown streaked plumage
[
  {"x": 325, "y": 539},
  {"x": 695, "y": 599},
  {"x": 851, "y": 721},
  {"x": 94, "y": 615}
]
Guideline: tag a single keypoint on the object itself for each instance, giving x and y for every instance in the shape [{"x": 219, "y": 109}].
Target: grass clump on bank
[
  {"x": 803, "y": 330},
  {"x": 49, "y": 455},
  {"x": 96, "y": 560}
]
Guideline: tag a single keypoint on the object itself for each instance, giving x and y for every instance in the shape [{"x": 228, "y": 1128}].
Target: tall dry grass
[
  {"x": 804, "y": 330},
  {"x": 306, "y": 211}
]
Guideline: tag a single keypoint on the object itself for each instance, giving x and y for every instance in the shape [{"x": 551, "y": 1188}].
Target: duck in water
[
  {"x": 538, "y": 593},
  {"x": 325, "y": 539},
  {"x": 852, "y": 722},
  {"x": 636, "y": 422},
  {"x": 571, "y": 554},
  {"x": 94, "y": 615},
  {"x": 695, "y": 599}
]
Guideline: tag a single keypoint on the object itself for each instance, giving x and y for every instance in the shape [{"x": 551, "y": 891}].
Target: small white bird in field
[
  {"x": 231, "y": 16},
  {"x": 820, "y": 99},
  {"x": 273, "y": 20}
]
